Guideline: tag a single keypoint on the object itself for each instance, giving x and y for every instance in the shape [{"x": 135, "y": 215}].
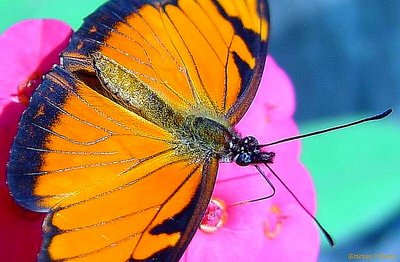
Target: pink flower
[
  {"x": 276, "y": 229},
  {"x": 27, "y": 51}
]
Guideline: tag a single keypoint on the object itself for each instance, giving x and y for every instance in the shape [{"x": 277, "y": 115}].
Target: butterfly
[{"x": 120, "y": 144}]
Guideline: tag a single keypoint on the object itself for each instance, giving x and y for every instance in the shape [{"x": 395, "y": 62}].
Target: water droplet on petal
[{"x": 214, "y": 217}]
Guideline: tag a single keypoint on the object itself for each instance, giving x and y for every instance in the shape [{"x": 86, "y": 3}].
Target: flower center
[
  {"x": 27, "y": 87},
  {"x": 214, "y": 217},
  {"x": 273, "y": 223}
]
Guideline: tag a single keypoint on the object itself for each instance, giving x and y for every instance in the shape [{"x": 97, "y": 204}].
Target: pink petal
[
  {"x": 228, "y": 245},
  {"x": 280, "y": 102},
  {"x": 30, "y": 47},
  {"x": 20, "y": 229},
  {"x": 239, "y": 188},
  {"x": 275, "y": 99},
  {"x": 297, "y": 241},
  {"x": 296, "y": 177}
]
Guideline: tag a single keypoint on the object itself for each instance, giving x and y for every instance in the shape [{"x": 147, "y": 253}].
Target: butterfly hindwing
[
  {"x": 205, "y": 55},
  {"x": 141, "y": 228},
  {"x": 111, "y": 180}
]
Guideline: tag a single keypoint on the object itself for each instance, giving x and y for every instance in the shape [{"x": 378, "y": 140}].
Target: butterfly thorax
[{"x": 203, "y": 138}]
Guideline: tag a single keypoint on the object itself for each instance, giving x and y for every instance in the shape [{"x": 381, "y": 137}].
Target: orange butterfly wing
[
  {"x": 109, "y": 173},
  {"x": 204, "y": 55}
]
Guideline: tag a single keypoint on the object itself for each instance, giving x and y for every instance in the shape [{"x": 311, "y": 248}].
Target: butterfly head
[{"x": 245, "y": 151}]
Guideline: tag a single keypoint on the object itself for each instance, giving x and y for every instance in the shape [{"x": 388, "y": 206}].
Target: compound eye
[{"x": 244, "y": 159}]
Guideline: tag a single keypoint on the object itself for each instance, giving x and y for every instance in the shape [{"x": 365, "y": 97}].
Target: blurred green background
[{"x": 344, "y": 59}]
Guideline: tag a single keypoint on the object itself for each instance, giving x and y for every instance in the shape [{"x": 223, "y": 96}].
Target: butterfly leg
[{"x": 260, "y": 198}]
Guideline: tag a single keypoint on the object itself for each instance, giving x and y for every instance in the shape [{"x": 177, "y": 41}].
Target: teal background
[{"x": 343, "y": 57}]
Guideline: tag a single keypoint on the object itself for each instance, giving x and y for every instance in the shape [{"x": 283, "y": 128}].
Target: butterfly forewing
[{"x": 204, "y": 55}]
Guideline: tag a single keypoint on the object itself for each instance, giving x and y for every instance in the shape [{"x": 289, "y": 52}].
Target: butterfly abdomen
[
  {"x": 124, "y": 87},
  {"x": 199, "y": 137}
]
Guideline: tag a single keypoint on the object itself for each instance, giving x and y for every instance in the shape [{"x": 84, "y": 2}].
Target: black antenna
[
  {"x": 326, "y": 234},
  {"x": 371, "y": 118}
]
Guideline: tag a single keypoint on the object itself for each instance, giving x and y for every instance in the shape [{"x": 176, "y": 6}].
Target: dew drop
[{"x": 214, "y": 217}]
